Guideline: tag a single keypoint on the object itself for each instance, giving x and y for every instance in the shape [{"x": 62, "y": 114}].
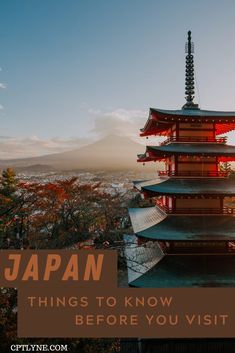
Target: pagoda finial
[{"x": 189, "y": 75}]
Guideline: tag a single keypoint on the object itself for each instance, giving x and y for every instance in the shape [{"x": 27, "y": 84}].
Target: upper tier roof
[
  {"x": 187, "y": 186},
  {"x": 189, "y": 271},
  {"x": 160, "y": 120},
  {"x": 195, "y": 113},
  {"x": 153, "y": 223},
  {"x": 194, "y": 149}
]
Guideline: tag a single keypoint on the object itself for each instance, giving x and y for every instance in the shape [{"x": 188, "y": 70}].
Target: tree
[
  {"x": 51, "y": 215},
  {"x": 8, "y": 203},
  {"x": 60, "y": 213},
  {"x": 8, "y": 182},
  {"x": 226, "y": 167}
]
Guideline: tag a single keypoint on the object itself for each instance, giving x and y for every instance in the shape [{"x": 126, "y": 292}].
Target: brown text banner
[
  {"x": 63, "y": 293},
  {"x": 72, "y": 311}
]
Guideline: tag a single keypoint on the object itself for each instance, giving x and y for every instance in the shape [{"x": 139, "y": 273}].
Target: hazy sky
[{"x": 77, "y": 69}]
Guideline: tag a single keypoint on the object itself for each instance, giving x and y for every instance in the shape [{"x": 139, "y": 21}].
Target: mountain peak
[{"x": 112, "y": 152}]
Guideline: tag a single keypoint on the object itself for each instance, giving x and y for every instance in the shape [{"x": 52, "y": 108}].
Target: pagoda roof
[
  {"x": 189, "y": 271},
  {"x": 195, "y": 113},
  {"x": 160, "y": 120},
  {"x": 143, "y": 218},
  {"x": 187, "y": 186},
  {"x": 188, "y": 149},
  {"x": 152, "y": 223}
]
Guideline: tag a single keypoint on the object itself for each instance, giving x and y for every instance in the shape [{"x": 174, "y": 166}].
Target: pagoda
[{"x": 191, "y": 220}]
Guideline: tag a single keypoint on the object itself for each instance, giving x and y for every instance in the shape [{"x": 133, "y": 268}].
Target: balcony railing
[
  {"x": 221, "y": 211},
  {"x": 194, "y": 139},
  {"x": 218, "y": 174}
]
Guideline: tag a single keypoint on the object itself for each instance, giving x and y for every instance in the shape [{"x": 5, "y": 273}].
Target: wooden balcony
[
  {"x": 197, "y": 139},
  {"x": 199, "y": 211},
  {"x": 216, "y": 174}
]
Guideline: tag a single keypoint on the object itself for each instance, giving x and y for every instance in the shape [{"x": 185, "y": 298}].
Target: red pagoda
[{"x": 189, "y": 222}]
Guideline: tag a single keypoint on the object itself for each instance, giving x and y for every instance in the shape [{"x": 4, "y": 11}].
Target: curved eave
[
  {"x": 188, "y": 186},
  {"x": 189, "y": 271},
  {"x": 143, "y": 218},
  {"x": 194, "y": 113},
  {"x": 160, "y": 120},
  {"x": 154, "y": 153},
  {"x": 191, "y": 228}
]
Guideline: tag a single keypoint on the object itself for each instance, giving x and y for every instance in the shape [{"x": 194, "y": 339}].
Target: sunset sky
[{"x": 76, "y": 70}]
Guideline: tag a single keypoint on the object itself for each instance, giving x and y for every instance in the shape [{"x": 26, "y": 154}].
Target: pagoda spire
[{"x": 189, "y": 75}]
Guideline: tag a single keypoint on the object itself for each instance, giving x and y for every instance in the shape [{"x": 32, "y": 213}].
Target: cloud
[
  {"x": 2, "y": 85},
  {"x": 119, "y": 122},
  {"x": 14, "y": 147},
  {"x": 122, "y": 122}
]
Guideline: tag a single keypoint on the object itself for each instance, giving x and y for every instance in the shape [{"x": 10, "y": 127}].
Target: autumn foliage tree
[
  {"x": 56, "y": 214},
  {"x": 8, "y": 201},
  {"x": 53, "y": 215}
]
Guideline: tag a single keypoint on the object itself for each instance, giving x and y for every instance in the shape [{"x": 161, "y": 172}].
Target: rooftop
[
  {"x": 153, "y": 223},
  {"x": 187, "y": 186},
  {"x": 160, "y": 120},
  {"x": 187, "y": 149},
  {"x": 195, "y": 113},
  {"x": 189, "y": 271}
]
